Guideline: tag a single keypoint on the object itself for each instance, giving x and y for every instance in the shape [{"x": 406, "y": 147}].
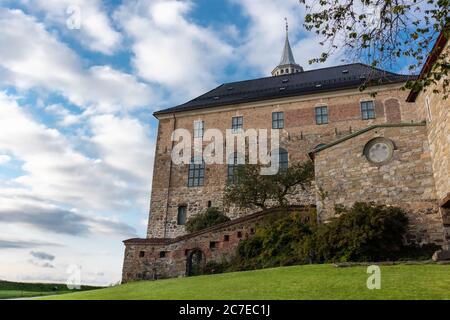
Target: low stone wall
[{"x": 151, "y": 259}]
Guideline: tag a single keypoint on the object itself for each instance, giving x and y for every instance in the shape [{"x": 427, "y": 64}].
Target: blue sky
[{"x": 77, "y": 133}]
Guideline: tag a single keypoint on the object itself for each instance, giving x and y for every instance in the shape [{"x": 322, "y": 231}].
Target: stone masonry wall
[
  {"x": 300, "y": 135},
  {"x": 151, "y": 259},
  {"x": 435, "y": 110},
  {"x": 344, "y": 176}
]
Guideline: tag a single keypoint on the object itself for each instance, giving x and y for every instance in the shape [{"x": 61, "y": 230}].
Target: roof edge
[
  {"x": 357, "y": 133},
  {"x": 293, "y": 94},
  {"x": 440, "y": 44},
  {"x": 255, "y": 215}
]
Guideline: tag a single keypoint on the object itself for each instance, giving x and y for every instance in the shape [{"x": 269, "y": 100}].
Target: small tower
[{"x": 287, "y": 64}]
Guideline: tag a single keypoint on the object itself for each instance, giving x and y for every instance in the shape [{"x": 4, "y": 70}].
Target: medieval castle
[{"x": 392, "y": 148}]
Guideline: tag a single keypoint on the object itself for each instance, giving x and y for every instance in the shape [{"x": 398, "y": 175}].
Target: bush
[
  {"x": 282, "y": 242},
  {"x": 416, "y": 252},
  {"x": 213, "y": 267},
  {"x": 364, "y": 232},
  {"x": 210, "y": 217}
]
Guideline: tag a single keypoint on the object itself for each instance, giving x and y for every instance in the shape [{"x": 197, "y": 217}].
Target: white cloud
[
  {"x": 264, "y": 38},
  {"x": 96, "y": 33},
  {"x": 55, "y": 170},
  {"x": 4, "y": 159},
  {"x": 122, "y": 143},
  {"x": 66, "y": 118},
  {"x": 30, "y": 57},
  {"x": 170, "y": 50},
  {"x": 39, "y": 214}
]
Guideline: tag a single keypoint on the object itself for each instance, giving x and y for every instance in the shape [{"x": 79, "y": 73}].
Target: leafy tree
[
  {"x": 209, "y": 218},
  {"x": 254, "y": 190},
  {"x": 385, "y": 32}
]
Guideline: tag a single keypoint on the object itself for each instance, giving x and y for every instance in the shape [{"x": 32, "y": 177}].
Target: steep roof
[
  {"x": 440, "y": 44},
  {"x": 297, "y": 84}
]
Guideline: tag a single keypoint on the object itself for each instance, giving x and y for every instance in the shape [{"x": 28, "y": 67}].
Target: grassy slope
[
  {"x": 10, "y": 290},
  {"x": 298, "y": 282}
]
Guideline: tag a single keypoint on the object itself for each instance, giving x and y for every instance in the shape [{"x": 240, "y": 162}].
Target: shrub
[
  {"x": 416, "y": 252},
  {"x": 213, "y": 267},
  {"x": 210, "y": 217},
  {"x": 364, "y": 232},
  {"x": 281, "y": 242}
]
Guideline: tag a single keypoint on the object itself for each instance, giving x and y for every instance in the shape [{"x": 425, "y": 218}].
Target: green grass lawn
[
  {"x": 10, "y": 290},
  {"x": 298, "y": 282}
]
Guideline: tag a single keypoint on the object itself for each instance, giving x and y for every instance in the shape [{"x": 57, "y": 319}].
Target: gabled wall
[{"x": 344, "y": 176}]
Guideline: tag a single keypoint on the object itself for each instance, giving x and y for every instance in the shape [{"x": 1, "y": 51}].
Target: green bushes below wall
[
  {"x": 209, "y": 218},
  {"x": 364, "y": 232}
]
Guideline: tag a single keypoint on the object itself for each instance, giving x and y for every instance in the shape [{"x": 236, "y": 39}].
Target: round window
[{"x": 379, "y": 150}]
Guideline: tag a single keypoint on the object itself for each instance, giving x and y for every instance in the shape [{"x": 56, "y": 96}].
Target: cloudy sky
[{"x": 77, "y": 134}]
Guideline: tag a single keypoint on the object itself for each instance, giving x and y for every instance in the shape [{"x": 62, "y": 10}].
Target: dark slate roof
[{"x": 297, "y": 84}]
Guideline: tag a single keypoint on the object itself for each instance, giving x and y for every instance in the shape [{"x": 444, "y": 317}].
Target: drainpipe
[{"x": 170, "y": 177}]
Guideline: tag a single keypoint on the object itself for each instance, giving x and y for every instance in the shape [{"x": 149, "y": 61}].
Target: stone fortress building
[{"x": 392, "y": 148}]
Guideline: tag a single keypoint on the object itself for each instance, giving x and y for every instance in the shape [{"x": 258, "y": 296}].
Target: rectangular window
[
  {"x": 181, "y": 218},
  {"x": 196, "y": 174},
  {"x": 233, "y": 168},
  {"x": 198, "y": 128},
  {"x": 321, "y": 115},
  {"x": 237, "y": 123},
  {"x": 277, "y": 120},
  {"x": 367, "y": 110}
]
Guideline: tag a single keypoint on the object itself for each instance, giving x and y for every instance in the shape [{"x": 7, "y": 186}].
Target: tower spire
[
  {"x": 287, "y": 63},
  {"x": 287, "y": 26}
]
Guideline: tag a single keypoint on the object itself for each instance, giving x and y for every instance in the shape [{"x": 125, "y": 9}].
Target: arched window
[
  {"x": 233, "y": 168},
  {"x": 283, "y": 158},
  {"x": 181, "y": 218},
  {"x": 196, "y": 175}
]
